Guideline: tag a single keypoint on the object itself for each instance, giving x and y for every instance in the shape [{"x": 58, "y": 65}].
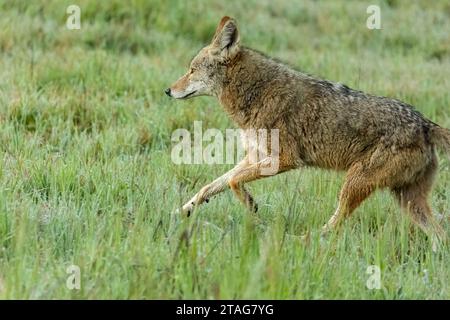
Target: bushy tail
[{"x": 441, "y": 137}]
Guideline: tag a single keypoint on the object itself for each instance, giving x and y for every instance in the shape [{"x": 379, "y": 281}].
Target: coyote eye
[{"x": 192, "y": 71}]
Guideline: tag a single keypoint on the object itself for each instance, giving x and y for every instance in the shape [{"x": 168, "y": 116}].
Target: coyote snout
[{"x": 380, "y": 142}]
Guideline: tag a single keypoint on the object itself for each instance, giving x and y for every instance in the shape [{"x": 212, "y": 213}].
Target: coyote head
[{"x": 207, "y": 71}]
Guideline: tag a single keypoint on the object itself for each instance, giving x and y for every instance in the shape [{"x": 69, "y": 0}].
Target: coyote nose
[{"x": 167, "y": 91}]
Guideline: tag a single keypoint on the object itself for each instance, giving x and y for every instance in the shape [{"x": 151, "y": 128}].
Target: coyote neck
[{"x": 243, "y": 91}]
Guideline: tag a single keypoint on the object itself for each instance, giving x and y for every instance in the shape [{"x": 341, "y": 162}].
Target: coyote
[{"x": 380, "y": 142}]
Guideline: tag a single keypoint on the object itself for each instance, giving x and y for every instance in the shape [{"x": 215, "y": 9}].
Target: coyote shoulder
[{"x": 380, "y": 142}]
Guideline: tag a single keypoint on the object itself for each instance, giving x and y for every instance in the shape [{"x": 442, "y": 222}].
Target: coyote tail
[{"x": 441, "y": 137}]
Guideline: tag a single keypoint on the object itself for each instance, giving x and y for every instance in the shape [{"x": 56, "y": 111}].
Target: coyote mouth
[{"x": 189, "y": 94}]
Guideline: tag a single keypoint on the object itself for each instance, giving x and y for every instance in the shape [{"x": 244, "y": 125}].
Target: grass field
[{"x": 86, "y": 176}]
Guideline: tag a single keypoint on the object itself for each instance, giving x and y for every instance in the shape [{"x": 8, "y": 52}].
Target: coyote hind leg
[
  {"x": 357, "y": 187},
  {"x": 414, "y": 200}
]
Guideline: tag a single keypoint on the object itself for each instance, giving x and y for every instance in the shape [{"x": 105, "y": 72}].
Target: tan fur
[{"x": 380, "y": 142}]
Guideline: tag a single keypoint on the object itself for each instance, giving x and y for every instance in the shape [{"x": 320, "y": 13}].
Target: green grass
[{"x": 86, "y": 176}]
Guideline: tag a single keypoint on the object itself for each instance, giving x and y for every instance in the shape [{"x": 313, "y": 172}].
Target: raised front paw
[
  {"x": 196, "y": 200},
  {"x": 188, "y": 208}
]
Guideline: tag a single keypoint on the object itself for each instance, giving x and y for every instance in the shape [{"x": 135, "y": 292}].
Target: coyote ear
[{"x": 226, "y": 39}]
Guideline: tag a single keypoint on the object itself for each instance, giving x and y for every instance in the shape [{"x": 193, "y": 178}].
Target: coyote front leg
[
  {"x": 215, "y": 187},
  {"x": 235, "y": 179},
  {"x": 261, "y": 169}
]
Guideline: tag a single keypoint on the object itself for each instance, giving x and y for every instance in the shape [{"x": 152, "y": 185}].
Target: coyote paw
[
  {"x": 196, "y": 200},
  {"x": 188, "y": 208}
]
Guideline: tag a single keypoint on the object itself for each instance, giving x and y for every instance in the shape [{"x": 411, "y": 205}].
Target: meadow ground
[{"x": 86, "y": 176}]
